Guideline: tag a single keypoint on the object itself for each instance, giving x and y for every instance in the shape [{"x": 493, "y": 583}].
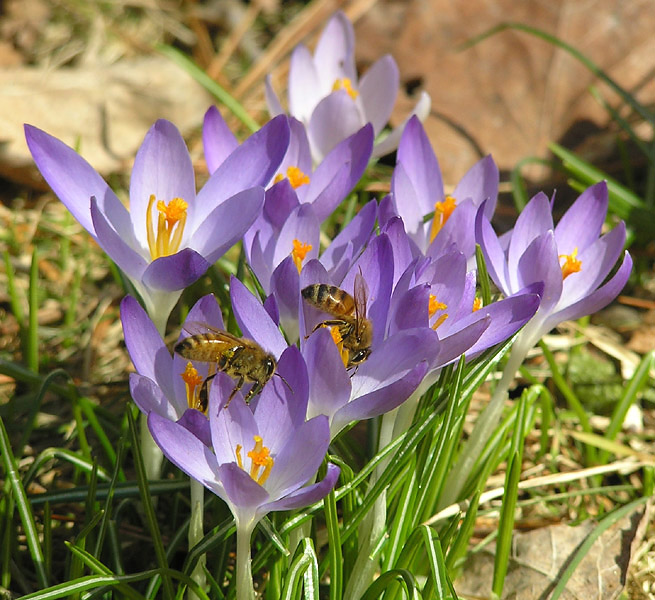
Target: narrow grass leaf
[
  {"x": 334, "y": 546},
  {"x": 32, "y": 346},
  {"x": 303, "y": 571},
  {"x": 389, "y": 578}
]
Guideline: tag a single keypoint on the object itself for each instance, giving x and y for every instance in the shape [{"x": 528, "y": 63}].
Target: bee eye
[{"x": 360, "y": 356}]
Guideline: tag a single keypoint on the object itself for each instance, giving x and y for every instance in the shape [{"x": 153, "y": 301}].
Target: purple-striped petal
[
  {"x": 149, "y": 397},
  {"x": 305, "y": 495},
  {"x": 217, "y": 139},
  {"x": 175, "y": 272}
]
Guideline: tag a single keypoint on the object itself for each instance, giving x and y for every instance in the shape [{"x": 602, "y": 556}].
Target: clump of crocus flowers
[{"x": 414, "y": 248}]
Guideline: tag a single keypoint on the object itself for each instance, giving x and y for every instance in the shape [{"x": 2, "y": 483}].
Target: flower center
[
  {"x": 170, "y": 226},
  {"x": 477, "y": 304},
  {"x": 192, "y": 380},
  {"x": 442, "y": 211},
  {"x": 433, "y": 306},
  {"x": 295, "y": 176},
  {"x": 261, "y": 462},
  {"x": 299, "y": 252},
  {"x": 571, "y": 263},
  {"x": 345, "y": 84}
]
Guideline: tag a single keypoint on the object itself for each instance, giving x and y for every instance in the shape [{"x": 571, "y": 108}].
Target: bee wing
[{"x": 360, "y": 294}]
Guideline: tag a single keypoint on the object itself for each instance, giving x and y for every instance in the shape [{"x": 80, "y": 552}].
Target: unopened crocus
[
  {"x": 169, "y": 236},
  {"x": 417, "y": 191},
  {"x": 326, "y": 95},
  {"x": 572, "y": 260},
  {"x": 257, "y": 462}
]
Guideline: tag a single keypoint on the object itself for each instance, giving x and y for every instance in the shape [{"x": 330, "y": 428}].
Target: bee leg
[
  {"x": 328, "y": 323},
  {"x": 237, "y": 387},
  {"x": 203, "y": 394},
  {"x": 254, "y": 390}
]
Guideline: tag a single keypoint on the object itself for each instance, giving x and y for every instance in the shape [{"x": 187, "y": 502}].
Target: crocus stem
[
  {"x": 152, "y": 455},
  {"x": 196, "y": 533},
  {"x": 245, "y": 587},
  {"x": 486, "y": 422}
]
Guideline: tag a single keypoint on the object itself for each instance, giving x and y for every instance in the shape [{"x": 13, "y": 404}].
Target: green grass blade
[
  {"x": 334, "y": 546},
  {"x": 209, "y": 84},
  {"x": 32, "y": 347},
  {"x": 24, "y": 509},
  {"x": 391, "y": 578},
  {"x": 303, "y": 570}
]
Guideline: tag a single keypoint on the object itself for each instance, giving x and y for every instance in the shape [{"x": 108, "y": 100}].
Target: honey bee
[
  {"x": 243, "y": 359},
  {"x": 349, "y": 314}
]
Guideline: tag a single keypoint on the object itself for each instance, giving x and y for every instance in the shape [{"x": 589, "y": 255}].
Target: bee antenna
[{"x": 285, "y": 381}]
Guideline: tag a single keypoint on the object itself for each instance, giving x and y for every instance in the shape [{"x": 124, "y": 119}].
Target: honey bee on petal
[
  {"x": 349, "y": 316},
  {"x": 240, "y": 358}
]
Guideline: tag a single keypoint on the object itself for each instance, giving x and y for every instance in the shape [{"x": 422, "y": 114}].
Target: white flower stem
[
  {"x": 245, "y": 587},
  {"x": 152, "y": 455},
  {"x": 196, "y": 532}
]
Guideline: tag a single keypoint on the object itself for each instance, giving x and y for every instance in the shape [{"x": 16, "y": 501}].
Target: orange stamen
[
  {"x": 345, "y": 84},
  {"x": 442, "y": 212},
  {"x": 571, "y": 263},
  {"x": 299, "y": 252},
  {"x": 170, "y": 226},
  {"x": 192, "y": 381},
  {"x": 433, "y": 306},
  {"x": 477, "y": 304},
  {"x": 261, "y": 461}
]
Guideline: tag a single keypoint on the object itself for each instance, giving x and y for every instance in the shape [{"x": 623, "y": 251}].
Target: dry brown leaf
[
  {"x": 539, "y": 557},
  {"x": 106, "y": 109},
  {"x": 512, "y": 93}
]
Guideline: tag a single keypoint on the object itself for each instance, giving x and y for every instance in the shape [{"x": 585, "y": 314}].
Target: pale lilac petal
[
  {"x": 535, "y": 219},
  {"x": 145, "y": 346},
  {"x": 380, "y": 400},
  {"x": 494, "y": 255},
  {"x": 410, "y": 310},
  {"x": 304, "y": 90},
  {"x": 240, "y": 489},
  {"x": 185, "y": 451},
  {"x": 378, "y": 89},
  {"x": 301, "y": 225},
  {"x": 162, "y": 167},
  {"x": 285, "y": 284},
  {"x": 206, "y": 310},
  {"x": 226, "y": 224},
  {"x": 194, "y": 421},
  {"x": 71, "y": 178},
  {"x": 459, "y": 342},
  {"x": 305, "y": 495},
  {"x": 232, "y": 426},
  {"x": 340, "y": 171},
  {"x": 457, "y": 231},
  {"x": 402, "y": 249},
  {"x": 334, "y": 53},
  {"x": 335, "y": 117},
  {"x": 329, "y": 382},
  {"x": 254, "y": 320},
  {"x": 390, "y": 142},
  {"x": 538, "y": 263},
  {"x": 272, "y": 101},
  {"x": 298, "y": 153},
  {"x": 590, "y": 208},
  {"x": 149, "y": 397},
  {"x": 300, "y": 458},
  {"x": 217, "y": 139},
  {"x": 279, "y": 202},
  {"x": 175, "y": 272},
  {"x": 480, "y": 183}
]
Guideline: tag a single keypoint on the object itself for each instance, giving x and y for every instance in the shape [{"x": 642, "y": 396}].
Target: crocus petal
[
  {"x": 378, "y": 89},
  {"x": 272, "y": 101},
  {"x": 306, "y": 495},
  {"x": 480, "y": 183},
  {"x": 254, "y": 320},
  {"x": 71, "y": 178},
  {"x": 334, "y": 53},
  {"x": 335, "y": 117},
  {"x": 411, "y": 310},
  {"x": 279, "y": 202},
  {"x": 494, "y": 255},
  {"x": 113, "y": 242},
  {"x": 217, "y": 139},
  {"x": 539, "y": 262},
  {"x": 194, "y": 421},
  {"x": 145, "y": 345},
  {"x": 390, "y": 142},
  {"x": 329, "y": 383},
  {"x": 241, "y": 490},
  {"x": 162, "y": 167},
  {"x": 304, "y": 88},
  {"x": 285, "y": 285},
  {"x": 380, "y": 400},
  {"x": 175, "y": 272},
  {"x": 535, "y": 219},
  {"x": 301, "y": 225},
  {"x": 185, "y": 451},
  {"x": 207, "y": 311},
  {"x": 226, "y": 224},
  {"x": 298, "y": 153},
  {"x": 232, "y": 426},
  {"x": 300, "y": 458},
  {"x": 340, "y": 171},
  {"x": 252, "y": 164},
  {"x": 459, "y": 342},
  {"x": 590, "y": 208},
  {"x": 457, "y": 231},
  {"x": 149, "y": 397}
]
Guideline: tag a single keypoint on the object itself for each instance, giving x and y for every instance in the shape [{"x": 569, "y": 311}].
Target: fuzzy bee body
[
  {"x": 349, "y": 316},
  {"x": 240, "y": 358}
]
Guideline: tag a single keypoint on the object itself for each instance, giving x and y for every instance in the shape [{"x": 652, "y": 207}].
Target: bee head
[
  {"x": 359, "y": 357},
  {"x": 269, "y": 365}
]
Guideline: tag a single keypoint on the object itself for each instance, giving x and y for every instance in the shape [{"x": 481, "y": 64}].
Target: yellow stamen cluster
[
  {"x": 295, "y": 176},
  {"x": 433, "y": 306},
  {"x": 442, "y": 212},
  {"x": 192, "y": 380},
  {"x": 571, "y": 263},
  {"x": 345, "y": 84},
  {"x": 338, "y": 340},
  {"x": 170, "y": 226},
  {"x": 477, "y": 304},
  {"x": 261, "y": 462},
  {"x": 299, "y": 252}
]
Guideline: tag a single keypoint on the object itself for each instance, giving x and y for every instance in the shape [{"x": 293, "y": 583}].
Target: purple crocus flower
[
  {"x": 417, "y": 190},
  {"x": 169, "y": 237},
  {"x": 326, "y": 95},
  {"x": 571, "y": 260}
]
